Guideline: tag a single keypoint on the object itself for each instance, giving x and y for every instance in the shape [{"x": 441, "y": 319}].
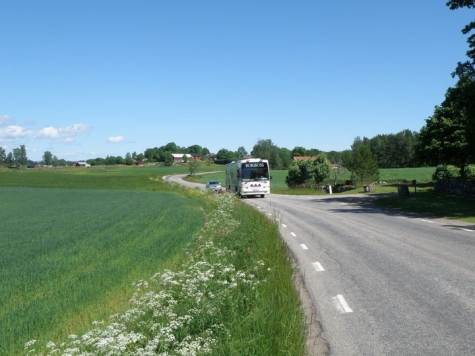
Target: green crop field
[{"x": 69, "y": 256}]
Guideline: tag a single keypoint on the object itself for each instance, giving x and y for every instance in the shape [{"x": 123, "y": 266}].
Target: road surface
[{"x": 383, "y": 282}]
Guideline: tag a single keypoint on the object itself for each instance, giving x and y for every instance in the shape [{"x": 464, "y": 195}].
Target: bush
[
  {"x": 470, "y": 171},
  {"x": 446, "y": 172}
]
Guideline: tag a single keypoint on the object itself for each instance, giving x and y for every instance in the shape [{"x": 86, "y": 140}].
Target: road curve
[
  {"x": 382, "y": 282},
  {"x": 178, "y": 179}
]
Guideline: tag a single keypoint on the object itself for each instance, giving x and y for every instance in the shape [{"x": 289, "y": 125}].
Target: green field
[
  {"x": 81, "y": 245},
  {"x": 70, "y": 254},
  {"x": 422, "y": 198},
  {"x": 391, "y": 178}
]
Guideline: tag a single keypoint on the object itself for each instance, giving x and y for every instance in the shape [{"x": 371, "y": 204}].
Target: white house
[{"x": 178, "y": 157}]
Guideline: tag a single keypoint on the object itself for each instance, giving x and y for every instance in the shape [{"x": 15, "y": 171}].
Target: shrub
[
  {"x": 446, "y": 172},
  {"x": 470, "y": 171}
]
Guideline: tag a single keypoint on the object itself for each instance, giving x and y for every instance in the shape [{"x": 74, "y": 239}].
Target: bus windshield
[{"x": 255, "y": 171}]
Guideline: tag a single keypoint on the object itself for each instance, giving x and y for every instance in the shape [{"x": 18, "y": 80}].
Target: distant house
[
  {"x": 297, "y": 158},
  {"x": 178, "y": 157},
  {"x": 81, "y": 164},
  {"x": 210, "y": 157}
]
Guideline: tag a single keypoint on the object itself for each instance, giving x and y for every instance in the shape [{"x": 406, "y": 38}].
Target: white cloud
[
  {"x": 14, "y": 132},
  {"x": 66, "y": 133},
  {"x": 115, "y": 139}
]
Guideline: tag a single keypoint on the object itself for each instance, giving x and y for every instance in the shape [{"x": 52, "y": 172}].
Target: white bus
[{"x": 248, "y": 177}]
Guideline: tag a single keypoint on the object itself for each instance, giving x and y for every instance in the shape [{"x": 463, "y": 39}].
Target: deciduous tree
[
  {"x": 3, "y": 156},
  {"x": 363, "y": 165},
  {"x": 266, "y": 149},
  {"x": 321, "y": 168},
  {"x": 300, "y": 171},
  {"x": 48, "y": 158},
  {"x": 193, "y": 165},
  {"x": 19, "y": 155},
  {"x": 241, "y": 152}
]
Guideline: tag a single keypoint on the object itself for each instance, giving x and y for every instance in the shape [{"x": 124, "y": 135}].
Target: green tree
[
  {"x": 241, "y": 152},
  {"x": 467, "y": 67},
  {"x": 48, "y": 158},
  {"x": 358, "y": 141},
  {"x": 300, "y": 171},
  {"x": 128, "y": 159},
  {"x": 313, "y": 152},
  {"x": 197, "y": 149},
  {"x": 265, "y": 149},
  {"x": 285, "y": 157},
  {"x": 9, "y": 160},
  {"x": 193, "y": 165},
  {"x": 321, "y": 168},
  {"x": 337, "y": 171},
  {"x": 446, "y": 137},
  {"x": 465, "y": 71},
  {"x": 55, "y": 161},
  {"x": 224, "y": 155},
  {"x": 19, "y": 155},
  {"x": 152, "y": 154},
  {"x": 298, "y": 151},
  {"x": 262, "y": 149},
  {"x": 3, "y": 156},
  {"x": 172, "y": 147},
  {"x": 363, "y": 165}
]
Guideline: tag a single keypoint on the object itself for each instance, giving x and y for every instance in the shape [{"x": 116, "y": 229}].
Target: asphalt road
[{"x": 383, "y": 282}]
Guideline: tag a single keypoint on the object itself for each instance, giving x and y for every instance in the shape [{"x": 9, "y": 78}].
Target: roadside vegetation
[
  {"x": 390, "y": 178},
  {"x": 422, "y": 198},
  {"x": 116, "y": 261}
]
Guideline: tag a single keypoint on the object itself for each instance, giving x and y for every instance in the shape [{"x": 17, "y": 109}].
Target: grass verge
[{"x": 432, "y": 203}]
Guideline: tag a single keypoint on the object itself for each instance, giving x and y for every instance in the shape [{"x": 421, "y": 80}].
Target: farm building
[
  {"x": 81, "y": 164},
  {"x": 297, "y": 158},
  {"x": 178, "y": 157}
]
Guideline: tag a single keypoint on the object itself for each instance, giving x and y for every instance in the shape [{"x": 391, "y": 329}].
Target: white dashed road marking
[
  {"x": 318, "y": 267},
  {"x": 304, "y": 246},
  {"x": 427, "y": 221},
  {"x": 341, "y": 305},
  {"x": 293, "y": 234}
]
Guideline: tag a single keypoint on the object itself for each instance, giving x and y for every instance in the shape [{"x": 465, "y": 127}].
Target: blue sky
[{"x": 86, "y": 79}]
